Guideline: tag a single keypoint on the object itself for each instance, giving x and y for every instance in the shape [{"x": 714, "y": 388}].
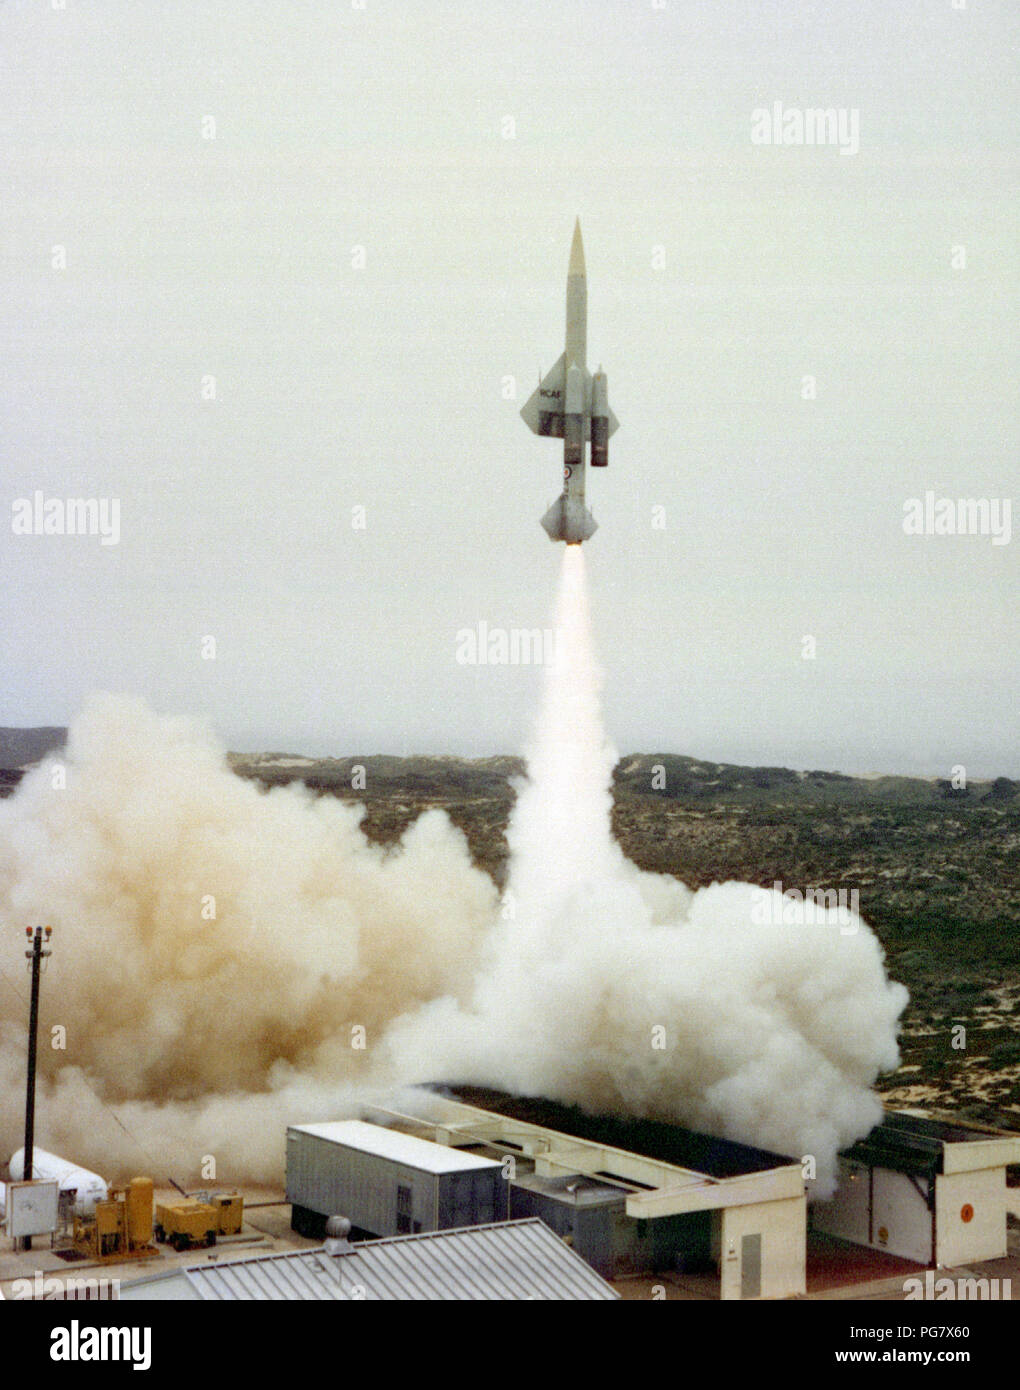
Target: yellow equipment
[
  {"x": 193, "y": 1221},
  {"x": 121, "y": 1228},
  {"x": 230, "y": 1210},
  {"x": 139, "y": 1211}
]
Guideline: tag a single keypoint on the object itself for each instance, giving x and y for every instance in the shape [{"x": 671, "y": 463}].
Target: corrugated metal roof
[
  {"x": 422, "y": 1154},
  {"x": 507, "y": 1260}
]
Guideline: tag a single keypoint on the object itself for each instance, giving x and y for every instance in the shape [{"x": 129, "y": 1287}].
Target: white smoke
[
  {"x": 220, "y": 954},
  {"x": 623, "y": 991}
]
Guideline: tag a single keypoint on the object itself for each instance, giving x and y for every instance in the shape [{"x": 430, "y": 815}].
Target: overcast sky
[{"x": 455, "y": 143}]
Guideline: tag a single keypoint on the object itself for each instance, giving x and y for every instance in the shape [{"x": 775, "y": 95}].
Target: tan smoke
[{"x": 216, "y": 948}]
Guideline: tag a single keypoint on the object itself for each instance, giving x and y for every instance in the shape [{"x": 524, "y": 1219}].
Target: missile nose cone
[{"x": 576, "y": 251}]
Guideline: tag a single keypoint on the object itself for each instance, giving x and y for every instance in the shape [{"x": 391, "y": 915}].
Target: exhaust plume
[{"x": 623, "y": 991}]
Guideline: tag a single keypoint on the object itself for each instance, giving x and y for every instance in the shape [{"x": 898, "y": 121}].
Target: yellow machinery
[
  {"x": 199, "y": 1220},
  {"x": 230, "y": 1207},
  {"x": 121, "y": 1228}
]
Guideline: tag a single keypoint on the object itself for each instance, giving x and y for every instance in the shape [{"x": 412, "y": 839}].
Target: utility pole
[{"x": 35, "y": 955}]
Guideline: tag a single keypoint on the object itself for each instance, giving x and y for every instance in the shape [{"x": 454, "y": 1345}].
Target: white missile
[{"x": 571, "y": 405}]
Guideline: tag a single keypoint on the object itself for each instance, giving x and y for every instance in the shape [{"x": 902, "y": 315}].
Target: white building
[
  {"x": 927, "y": 1190},
  {"x": 635, "y": 1196}
]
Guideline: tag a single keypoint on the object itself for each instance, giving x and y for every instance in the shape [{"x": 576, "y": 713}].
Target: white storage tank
[{"x": 47, "y": 1167}]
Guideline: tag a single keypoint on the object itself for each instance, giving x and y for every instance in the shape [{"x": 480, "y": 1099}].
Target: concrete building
[
  {"x": 508, "y": 1260},
  {"x": 634, "y": 1196},
  {"x": 923, "y": 1189},
  {"x": 639, "y": 1197}
]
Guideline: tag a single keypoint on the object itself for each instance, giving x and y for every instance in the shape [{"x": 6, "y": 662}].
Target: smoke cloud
[
  {"x": 222, "y": 953},
  {"x": 217, "y": 950}
]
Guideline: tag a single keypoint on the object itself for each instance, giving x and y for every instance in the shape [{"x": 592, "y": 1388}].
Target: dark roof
[
  {"x": 900, "y": 1150},
  {"x": 911, "y": 1143},
  {"x": 945, "y": 1131},
  {"x": 702, "y": 1153}
]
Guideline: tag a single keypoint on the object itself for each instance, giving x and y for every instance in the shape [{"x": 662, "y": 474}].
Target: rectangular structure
[
  {"x": 587, "y": 1213},
  {"x": 387, "y": 1183},
  {"x": 927, "y": 1190},
  {"x": 970, "y": 1220},
  {"x": 636, "y": 1196},
  {"x": 762, "y": 1249},
  {"x": 32, "y": 1208}
]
